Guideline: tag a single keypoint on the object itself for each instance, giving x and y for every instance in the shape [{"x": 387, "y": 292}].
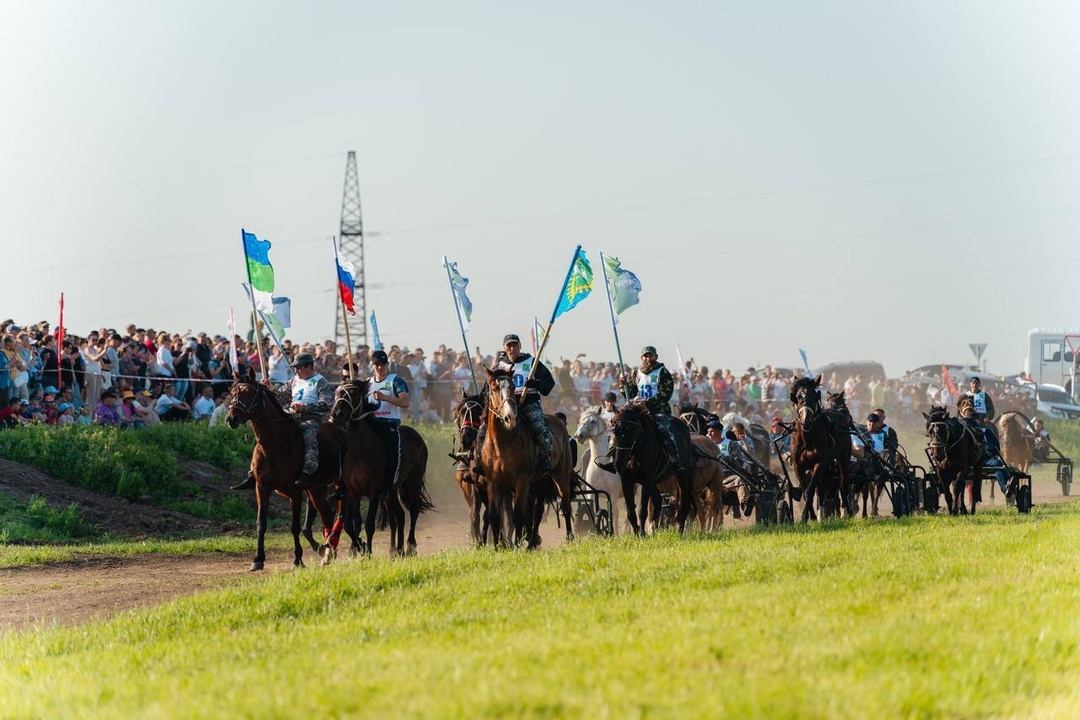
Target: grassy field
[{"x": 923, "y": 617}]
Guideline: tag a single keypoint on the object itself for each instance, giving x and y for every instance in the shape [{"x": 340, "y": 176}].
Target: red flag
[{"x": 949, "y": 382}]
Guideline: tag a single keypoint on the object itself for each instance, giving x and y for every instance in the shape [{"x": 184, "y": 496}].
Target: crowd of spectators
[{"x": 139, "y": 377}]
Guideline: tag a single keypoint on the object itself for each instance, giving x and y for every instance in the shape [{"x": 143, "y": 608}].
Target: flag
[
  {"x": 60, "y": 343},
  {"x": 578, "y": 284},
  {"x": 623, "y": 285},
  {"x": 376, "y": 343},
  {"x": 283, "y": 311},
  {"x": 260, "y": 271},
  {"x": 346, "y": 278},
  {"x": 805, "y": 362},
  {"x": 946, "y": 377},
  {"x": 458, "y": 284},
  {"x": 276, "y": 318},
  {"x": 232, "y": 343}
]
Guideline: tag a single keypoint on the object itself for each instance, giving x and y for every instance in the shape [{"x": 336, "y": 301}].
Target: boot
[
  {"x": 606, "y": 465},
  {"x": 304, "y": 481},
  {"x": 336, "y": 493},
  {"x": 544, "y": 464},
  {"x": 248, "y": 483}
]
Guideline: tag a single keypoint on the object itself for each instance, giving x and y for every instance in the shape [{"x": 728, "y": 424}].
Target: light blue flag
[
  {"x": 623, "y": 285},
  {"x": 577, "y": 286},
  {"x": 459, "y": 284},
  {"x": 805, "y": 362},
  {"x": 376, "y": 343}
]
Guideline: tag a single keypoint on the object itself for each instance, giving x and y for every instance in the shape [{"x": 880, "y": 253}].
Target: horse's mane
[
  {"x": 633, "y": 411},
  {"x": 807, "y": 383}
]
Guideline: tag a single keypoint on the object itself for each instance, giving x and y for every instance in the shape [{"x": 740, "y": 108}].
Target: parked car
[{"x": 1054, "y": 401}]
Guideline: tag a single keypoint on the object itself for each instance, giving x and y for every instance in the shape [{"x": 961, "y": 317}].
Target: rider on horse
[
  {"x": 391, "y": 392},
  {"x": 655, "y": 386},
  {"x": 982, "y": 420},
  {"x": 312, "y": 398},
  {"x": 531, "y": 380}
]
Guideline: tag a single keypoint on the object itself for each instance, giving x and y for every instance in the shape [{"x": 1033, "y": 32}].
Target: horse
[
  {"x": 593, "y": 428},
  {"x": 820, "y": 450},
  {"x": 1017, "y": 442},
  {"x": 364, "y": 466},
  {"x": 640, "y": 459},
  {"x": 696, "y": 419},
  {"x": 277, "y": 461},
  {"x": 516, "y": 490},
  {"x": 468, "y": 416},
  {"x": 714, "y": 487},
  {"x": 956, "y": 456},
  {"x": 871, "y": 483}
]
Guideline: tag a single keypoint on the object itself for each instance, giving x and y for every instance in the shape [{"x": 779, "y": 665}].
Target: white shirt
[{"x": 204, "y": 407}]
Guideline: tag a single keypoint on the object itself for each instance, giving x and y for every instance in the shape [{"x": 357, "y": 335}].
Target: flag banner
[
  {"x": 946, "y": 377},
  {"x": 376, "y": 343},
  {"x": 277, "y": 318},
  {"x": 346, "y": 274},
  {"x": 260, "y": 271},
  {"x": 232, "y": 343},
  {"x": 623, "y": 285},
  {"x": 805, "y": 362},
  {"x": 684, "y": 369},
  {"x": 459, "y": 284},
  {"x": 578, "y": 284},
  {"x": 283, "y": 311}
]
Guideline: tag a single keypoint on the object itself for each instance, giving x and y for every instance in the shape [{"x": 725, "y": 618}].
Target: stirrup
[
  {"x": 608, "y": 466},
  {"x": 248, "y": 483},
  {"x": 304, "y": 481}
]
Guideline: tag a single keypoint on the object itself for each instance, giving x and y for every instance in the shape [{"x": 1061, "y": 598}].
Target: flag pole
[
  {"x": 254, "y": 316},
  {"x": 60, "y": 346},
  {"x": 614, "y": 324},
  {"x": 461, "y": 325},
  {"x": 344, "y": 310}
]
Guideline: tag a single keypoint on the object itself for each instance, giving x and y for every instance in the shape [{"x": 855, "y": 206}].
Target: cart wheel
[
  {"x": 603, "y": 523},
  {"x": 900, "y": 500},
  {"x": 1065, "y": 478},
  {"x": 1023, "y": 499},
  {"x": 784, "y": 514},
  {"x": 765, "y": 508}
]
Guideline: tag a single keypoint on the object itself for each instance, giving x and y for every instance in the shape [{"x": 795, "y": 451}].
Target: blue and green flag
[
  {"x": 260, "y": 271},
  {"x": 577, "y": 286}
]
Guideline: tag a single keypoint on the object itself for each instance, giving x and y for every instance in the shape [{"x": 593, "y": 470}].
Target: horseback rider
[
  {"x": 655, "y": 386},
  {"x": 607, "y": 410},
  {"x": 528, "y": 390},
  {"x": 391, "y": 393},
  {"x": 312, "y": 397},
  {"x": 982, "y": 420}
]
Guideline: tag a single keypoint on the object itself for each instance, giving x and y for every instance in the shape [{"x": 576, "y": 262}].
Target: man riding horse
[
  {"x": 391, "y": 392},
  {"x": 311, "y": 399},
  {"x": 655, "y": 386},
  {"x": 532, "y": 380}
]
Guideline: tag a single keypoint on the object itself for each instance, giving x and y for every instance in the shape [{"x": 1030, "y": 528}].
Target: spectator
[
  {"x": 10, "y": 415},
  {"x": 170, "y": 408},
  {"x": 128, "y": 416},
  {"x": 107, "y": 413},
  {"x": 221, "y": 409},
  {"x": 67, "y": 414},
  {"x": 204, "y": 405}
]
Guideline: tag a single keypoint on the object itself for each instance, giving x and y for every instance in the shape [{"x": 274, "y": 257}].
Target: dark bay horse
[
  {"x": 363, "y": 475},
  {"x": 277, "y": 461},
  {"x": 640, "y": 459},
  {"x": 516, "y": 491},
  {"x": 468, "y": 416},
  {"x": 957, "y": 458},
  {"x": 820, "y": 450}
]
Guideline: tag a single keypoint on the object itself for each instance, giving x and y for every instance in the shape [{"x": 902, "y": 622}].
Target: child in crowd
[{"x": 67, "y": 414}]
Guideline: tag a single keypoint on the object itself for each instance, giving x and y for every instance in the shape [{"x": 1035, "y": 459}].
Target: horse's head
[
  {"x": 501, "y": 399},
  {"x": 246, "y": 397},
  {"x": 590, "y": 424},
  {"x": 836, "y": 402},
  {"x": 628, "y": 426},
  {"x": 937, "y": 430},
  {"x": 468, "y": 414},
  {"x": 351, "y": 402},
  {"x": 965, "y": 407},
  {"x": 807, "y": 399}
]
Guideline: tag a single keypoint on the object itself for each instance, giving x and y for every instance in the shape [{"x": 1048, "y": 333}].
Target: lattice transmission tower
[{"x": 351, "y": 246}]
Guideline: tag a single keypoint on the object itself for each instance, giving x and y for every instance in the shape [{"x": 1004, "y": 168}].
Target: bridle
[
  {"x": 506, "y": 409},
  {"x": 589, "y": 419},
  {"x": 619, "y": 430},
  {"x": 807, "y": 399},
  {"x": 246, "y": 407},
  {"x": 470, "y": 414},
  {"x": 344, "y": 396}
]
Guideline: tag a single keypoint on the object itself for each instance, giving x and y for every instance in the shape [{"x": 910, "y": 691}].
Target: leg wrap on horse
[{"x": 310, "y": 430}]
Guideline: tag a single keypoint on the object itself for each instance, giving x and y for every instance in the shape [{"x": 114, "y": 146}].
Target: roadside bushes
[{"x": 126, "y": 463}]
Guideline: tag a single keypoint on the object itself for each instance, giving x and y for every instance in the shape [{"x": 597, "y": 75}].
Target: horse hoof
[
  {"x": 411, "y": 552},
  {"x": 298, "y": 564},
  {"x": 256, "y": 565}
]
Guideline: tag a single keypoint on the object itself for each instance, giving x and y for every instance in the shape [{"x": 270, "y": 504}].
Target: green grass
[
  {"x": 13, "y": 556},
  {"x": 922, "y": 617},
  {"x": 36, "y": 521}
]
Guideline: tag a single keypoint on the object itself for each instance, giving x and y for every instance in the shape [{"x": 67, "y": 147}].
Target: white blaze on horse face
[
  {"x": 506, "y": 410},
  {"x": 589, "y": 426}
]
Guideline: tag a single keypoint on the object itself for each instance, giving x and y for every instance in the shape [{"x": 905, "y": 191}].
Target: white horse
[{"x": 594, "y": 428}]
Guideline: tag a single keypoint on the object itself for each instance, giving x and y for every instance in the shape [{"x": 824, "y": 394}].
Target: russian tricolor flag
[{"x": 346, "y": 275}]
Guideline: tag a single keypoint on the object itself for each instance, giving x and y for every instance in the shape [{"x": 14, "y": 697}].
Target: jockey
[
  {"x": 391, "y": 393},
  {"x": 607, "y": 410},
  {"x": 528, "y": 390},
  {"x": 312, "y": 397},
  {"x": 984, "y": 415},
  {"x": 654, "y": 385},
  {"x": 1040, "y": 450},
  {"x": 875, "y": 437}
]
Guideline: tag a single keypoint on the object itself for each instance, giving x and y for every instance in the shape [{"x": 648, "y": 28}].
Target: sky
[{"x": 863, "y": 180}]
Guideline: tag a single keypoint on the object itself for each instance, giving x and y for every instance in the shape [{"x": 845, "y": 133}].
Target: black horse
[
  {"x": 957, "y": 458},
  {"x": 640, "y": 459},
  {"x": 469, "y": 414},
  {"x": 820, "y": 450}
]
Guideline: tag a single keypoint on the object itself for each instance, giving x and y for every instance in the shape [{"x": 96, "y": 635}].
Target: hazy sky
[{"x": 861, "y": 179}]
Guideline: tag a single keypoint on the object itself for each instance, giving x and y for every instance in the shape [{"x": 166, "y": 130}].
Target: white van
[{"x": 1051, "y": 356}]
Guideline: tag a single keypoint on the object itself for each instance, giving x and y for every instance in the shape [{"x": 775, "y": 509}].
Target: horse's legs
[
  {"x": 369, "y": 523},
  {"x": 650, "y": 500},
  {"x": 309, "y": 522},
  {"x": 263, "y": 497},
  {"x": 295, "y": 503},
  {"x": 631, "y": 509}
]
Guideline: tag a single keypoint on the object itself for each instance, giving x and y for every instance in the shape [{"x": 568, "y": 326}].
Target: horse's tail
[{"x": 424, "y": 499}]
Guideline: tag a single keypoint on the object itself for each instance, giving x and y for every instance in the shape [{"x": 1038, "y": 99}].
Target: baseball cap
[
  {"x": 379, "y": 358},
  {"x": 715, "y": 424},
  {"x": 648, "y": 350},
  {"x": 611, "y": 397},
  {"x": 872, "y": 417},
  {"x": 64, "y": 406},
  {"x": 51, "y": 390},
  {"x": 511, "y": 338},
  {"x": 303, "y": 359}
]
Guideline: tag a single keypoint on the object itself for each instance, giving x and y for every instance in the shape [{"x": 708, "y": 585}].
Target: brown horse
[
  {"x": 1017, "y": 441},
  {"x": 957, "y": 459},
  {"x": 278, "y": 459},
  {"x": 820, "y": 450},
  {"x": 516, "y": 491},
  {"x": 640, "y": 459},
  {"x": 363, "y": 475},
  {"x": 468, "y": 416}
]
